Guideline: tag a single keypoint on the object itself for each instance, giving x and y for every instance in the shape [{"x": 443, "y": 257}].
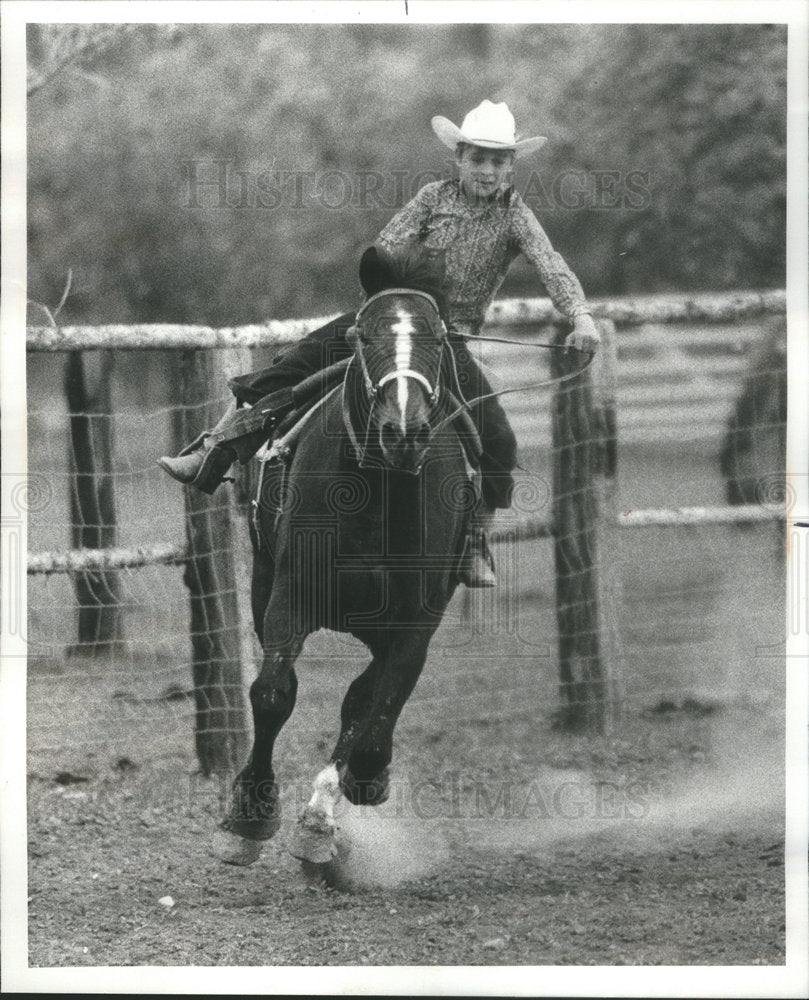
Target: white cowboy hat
[{"x": 490, "y": 125}]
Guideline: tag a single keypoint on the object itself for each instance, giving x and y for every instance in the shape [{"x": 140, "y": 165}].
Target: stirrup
[{"x": 476, "y": 568}]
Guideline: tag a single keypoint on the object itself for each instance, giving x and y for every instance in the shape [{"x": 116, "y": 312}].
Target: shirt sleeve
[
  {"x": 406, "y": 226},
  {"x": 561, "y": 283}
]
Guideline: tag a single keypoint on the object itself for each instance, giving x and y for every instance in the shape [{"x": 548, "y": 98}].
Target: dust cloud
[
  {"x": 739, "y": 788},
  {"x": 382, "y": 850}
]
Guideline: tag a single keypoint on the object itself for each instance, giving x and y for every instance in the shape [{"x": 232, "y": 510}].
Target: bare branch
[
  {"x": 65, "y": 293},
  {"x": 52, "y": 315},
  {"x": 45, "y": 309},
  {"x": 63, "y": 44}
]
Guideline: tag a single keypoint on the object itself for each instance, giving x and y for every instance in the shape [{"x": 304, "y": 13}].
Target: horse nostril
[
  {"x": 389, "y": 434},
  {"x": 422, "y": 436}
]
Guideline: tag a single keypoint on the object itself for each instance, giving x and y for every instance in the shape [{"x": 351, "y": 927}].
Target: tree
[
  {"x": 700, "y": 109},
  {"x": 314, "y": 112}
]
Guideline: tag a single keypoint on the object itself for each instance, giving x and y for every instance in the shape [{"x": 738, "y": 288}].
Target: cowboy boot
[
  {"x": 477, "y": 564},
  {"x": 205, "y": 461}
]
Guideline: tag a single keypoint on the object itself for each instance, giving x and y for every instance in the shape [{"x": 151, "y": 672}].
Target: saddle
[{"x": 282, "y": 414}]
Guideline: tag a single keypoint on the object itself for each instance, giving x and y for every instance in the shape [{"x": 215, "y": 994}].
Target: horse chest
[{"x": 394, "y": 522}]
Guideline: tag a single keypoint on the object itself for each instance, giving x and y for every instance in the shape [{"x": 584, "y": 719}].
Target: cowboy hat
[{"x": 489, "y": 125}]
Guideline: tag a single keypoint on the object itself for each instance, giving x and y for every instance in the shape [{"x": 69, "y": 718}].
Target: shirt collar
[{"x": 500, "y": 197}]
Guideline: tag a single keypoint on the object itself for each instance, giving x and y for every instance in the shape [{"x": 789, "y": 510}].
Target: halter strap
[
  {"x": 348, "y": 423},
  {"x": 409, "y": 373}
]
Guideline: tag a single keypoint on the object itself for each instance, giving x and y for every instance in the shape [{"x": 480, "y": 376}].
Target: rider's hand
[{"x": 585, "y": 336}]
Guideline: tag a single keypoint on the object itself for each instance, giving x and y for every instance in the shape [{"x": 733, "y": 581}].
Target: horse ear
[{"x": 375, "y": 271}]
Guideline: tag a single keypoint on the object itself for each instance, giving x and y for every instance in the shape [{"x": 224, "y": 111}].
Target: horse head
[{"x": 398, "y": 339}]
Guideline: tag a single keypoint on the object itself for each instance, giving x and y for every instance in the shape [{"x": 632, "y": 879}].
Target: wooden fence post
[
  {"x": 585, "y": 525},
  {"x": 92, "y": 498},
  {"x": 212, "y": 581},
  {"x": 228, "y": 363}
]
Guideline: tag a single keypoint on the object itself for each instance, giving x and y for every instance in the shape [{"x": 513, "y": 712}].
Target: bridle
[{"x": 355, "y": 337}]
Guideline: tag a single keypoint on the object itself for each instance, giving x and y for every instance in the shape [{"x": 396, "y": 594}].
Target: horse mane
[{"x": 415, "y": 266}]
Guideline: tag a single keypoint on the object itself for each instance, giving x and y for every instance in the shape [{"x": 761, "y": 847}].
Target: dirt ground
[
  {"x": 640, "y": 850},
  {"x": 505, "y": 842}
]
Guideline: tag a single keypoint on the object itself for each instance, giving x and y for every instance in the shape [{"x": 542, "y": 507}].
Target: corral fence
[{"x": 673, "y": 389}]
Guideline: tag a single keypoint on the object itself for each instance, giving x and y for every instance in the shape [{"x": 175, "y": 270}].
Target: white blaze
[{"x": 403, "y": 328}]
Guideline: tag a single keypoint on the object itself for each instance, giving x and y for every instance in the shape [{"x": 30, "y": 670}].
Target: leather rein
[
  {"x": 467, "y": 404},
  {"x": 354, "y": 337}
]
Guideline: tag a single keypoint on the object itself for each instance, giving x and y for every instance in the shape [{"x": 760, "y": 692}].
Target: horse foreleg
[
  {"x": 261, "y": 588},
  {"x": 369, "y": 784},
  {"x": 370, "y": 713},
  {"x": 255, "y": 812},
  {"x": 314, "y": 838}
]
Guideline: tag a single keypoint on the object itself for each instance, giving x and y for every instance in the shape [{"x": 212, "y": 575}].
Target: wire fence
[{"x": 697, "y": 583}]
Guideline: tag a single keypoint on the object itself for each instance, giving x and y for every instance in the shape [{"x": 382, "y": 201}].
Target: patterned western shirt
[{"x": 480, "y": 240}]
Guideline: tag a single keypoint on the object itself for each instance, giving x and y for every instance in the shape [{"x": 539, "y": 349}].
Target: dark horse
[{"x": 359, "y": 532}]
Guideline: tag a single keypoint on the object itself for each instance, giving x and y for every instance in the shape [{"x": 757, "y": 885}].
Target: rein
[
  {"x": 505, "y": 340},
  {"x": 354, "y": 336},
  {"x": 467, "y": 404}
]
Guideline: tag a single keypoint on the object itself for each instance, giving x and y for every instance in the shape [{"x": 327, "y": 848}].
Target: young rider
[{"x": 480, "y": 224}]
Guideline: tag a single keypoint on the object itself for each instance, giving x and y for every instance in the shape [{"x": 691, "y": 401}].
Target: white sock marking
[{"x": 326, "y": 791}]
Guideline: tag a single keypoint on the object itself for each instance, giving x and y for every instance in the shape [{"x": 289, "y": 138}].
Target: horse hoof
[
  {"x": 254, "y": 829},
  {"x": 367, "y": 792},
  {"x": 315, "y": 844},
  {"x": 332, "y": 874},
  {"x": 235, "y": 850}
]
